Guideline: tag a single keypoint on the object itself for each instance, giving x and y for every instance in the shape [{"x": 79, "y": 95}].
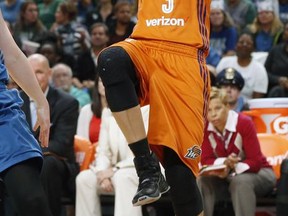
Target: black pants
[
  {"x": 1, "y": 197},
  {"x": 54, "y": 175},
  {"x": 24, "y": 189}
]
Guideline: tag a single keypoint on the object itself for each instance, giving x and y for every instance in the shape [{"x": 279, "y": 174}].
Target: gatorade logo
[{"x": 279, "y": 125}]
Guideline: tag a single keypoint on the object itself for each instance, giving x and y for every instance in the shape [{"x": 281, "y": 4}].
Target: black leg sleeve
[{"x": 185, "y": 195}]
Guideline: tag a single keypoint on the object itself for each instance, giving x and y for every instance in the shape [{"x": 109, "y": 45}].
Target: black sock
[{"x": 140, "y": 148}]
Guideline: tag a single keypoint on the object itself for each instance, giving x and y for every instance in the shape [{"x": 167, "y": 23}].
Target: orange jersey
[{"x": 180, "y": 21}]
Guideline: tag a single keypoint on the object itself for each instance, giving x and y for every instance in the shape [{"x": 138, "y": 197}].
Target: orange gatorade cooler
[{"x": 270, "y": 115}]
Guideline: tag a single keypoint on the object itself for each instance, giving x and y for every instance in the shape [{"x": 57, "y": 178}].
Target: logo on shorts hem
[{"x": 193, "y": 152}]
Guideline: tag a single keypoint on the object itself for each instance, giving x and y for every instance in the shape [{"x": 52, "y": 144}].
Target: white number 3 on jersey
[{"x": 168, "y": 7}]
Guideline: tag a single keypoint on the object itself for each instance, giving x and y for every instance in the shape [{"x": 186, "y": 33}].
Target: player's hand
[{"x": 43, "y": 121}]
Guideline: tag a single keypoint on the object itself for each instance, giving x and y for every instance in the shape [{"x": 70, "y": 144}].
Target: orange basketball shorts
[{"x": 174, "y": 80}]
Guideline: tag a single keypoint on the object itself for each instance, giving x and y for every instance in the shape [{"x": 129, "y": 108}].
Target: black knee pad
[
  {"x": 118, "y": 75},
  {"x": 113, "y": 65}
]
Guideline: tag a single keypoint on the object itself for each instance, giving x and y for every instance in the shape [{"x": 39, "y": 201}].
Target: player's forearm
[{"x": 18, "y": 66}]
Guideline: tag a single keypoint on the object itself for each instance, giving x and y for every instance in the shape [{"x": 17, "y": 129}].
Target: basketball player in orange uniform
[{"x": 163, "y": 64}]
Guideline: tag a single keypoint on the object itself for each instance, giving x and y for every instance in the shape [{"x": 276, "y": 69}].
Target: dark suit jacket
[{"x": 64, "y": 110}]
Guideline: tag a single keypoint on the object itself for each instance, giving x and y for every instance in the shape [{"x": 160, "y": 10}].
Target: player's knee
[{"x": 112, "y": 65}]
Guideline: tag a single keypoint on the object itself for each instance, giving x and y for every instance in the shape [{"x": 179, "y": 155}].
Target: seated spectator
[
  {"x": 230, "y": 138},
  {"x": 83, "y": 8},
  {"x": 232, "y": 81},
  {"x": 10, "y": 10},
  {"x": 62, "y": 78},
  {"x": 243, "y": 12},
  {"x": 47, "y": 10},
  {"x": 134, "y": 6},
  {"x": 28, "y": 27},
  {"x": 122, "y": 26},
  {"x": 223, "y": 36},
  {"x": 112, "y": 171},
  {"x": 72, "y": 35},
  {"x": 276, "y": 65},
  {"x": 89, "y": 119},
  {"x": 59, "y": 167},
  {"x": 283, "y": 11},
  {"x": 274, "y": 3},
  {"x": 87, "y": 61},
  {"x": 267, "y": 27},
  {"x": 55, "y": 54},
  {"x": 103, "y": 13},
  {"x": 253, "y": 72}
]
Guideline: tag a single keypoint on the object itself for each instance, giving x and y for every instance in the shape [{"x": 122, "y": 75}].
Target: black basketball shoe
[{"x": 151, "y": 181}]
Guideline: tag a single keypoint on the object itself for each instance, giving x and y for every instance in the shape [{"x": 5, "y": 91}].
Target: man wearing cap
[{"x": 232, "y": 81}]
